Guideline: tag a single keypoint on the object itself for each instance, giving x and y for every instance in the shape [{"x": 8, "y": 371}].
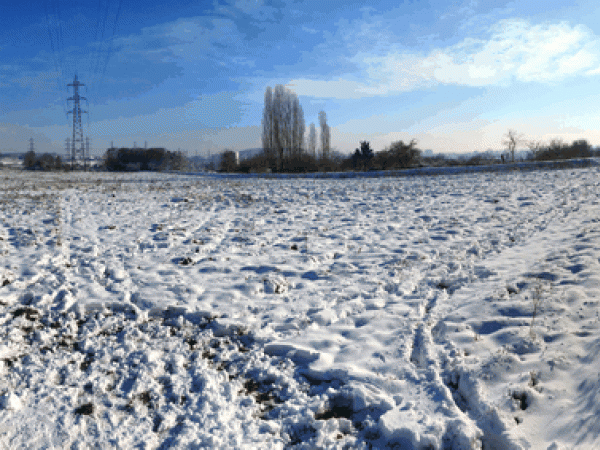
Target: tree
[
  {"x": 557, "y": 149},
  {"x": 536, "y": 148},
  {"x": 398, "y": 156},
  {"x": 29, "y": 159},
  {"x": 406, "y": 155},
  {"x": 362, "y": 156},
  {"x": 325, "y": 135},
  {"x": 298, "y": 128},
  {"x": 312, "y": 140},
  {"x": 172, "y": 161},
  {"x": 46, "y": 161},
  {"x": 283, "y": 126},
  {"x": 267, "y": 125},
  {"x": 135, "y": 159},
  {"x": 512, "y": 139},
  {"x": 229, "y": 161},
  {"x": 279, "y": 123},
  {"x": 581, "y": 149}
]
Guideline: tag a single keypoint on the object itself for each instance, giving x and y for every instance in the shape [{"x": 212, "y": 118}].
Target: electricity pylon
[{"x": 78, "y": 149}]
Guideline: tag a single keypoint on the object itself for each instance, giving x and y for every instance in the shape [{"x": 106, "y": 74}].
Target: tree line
[
  {"x": 284, "y": 148},
  {"x": 136, "y": 159},
  {"x": 554, "y": 150},
  {"x": 116, "y": 160},
  {"x": 557, "y": 149},
  {"x": 45, "y": 161}
]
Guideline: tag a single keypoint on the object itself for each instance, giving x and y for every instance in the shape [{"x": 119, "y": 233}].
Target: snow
[{"x": 456, "y": 311}]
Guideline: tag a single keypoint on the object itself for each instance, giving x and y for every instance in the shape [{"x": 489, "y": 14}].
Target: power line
[
  {"x": 68, "y": 60},
  {"x": 60, "y": 28},
  {"x": 111, "y": 41},
  {"x": 59, "y": 38},
  {"x": 99, "y": 29},
  {"x": 55, "y": 27},
  {"x": 50, "y": 38},
  {"x": 102, "y": 48},
  {"x": 57, "y": 68}
]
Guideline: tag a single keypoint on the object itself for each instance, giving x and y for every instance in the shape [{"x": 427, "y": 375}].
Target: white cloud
[
  {"x": 188, "y": 39},
  {"x": 249, "y": 6},
  {"x": 339, "y": 88},
  {"x": 514, "y": 50},
  {"x": 309, "y": 30}
]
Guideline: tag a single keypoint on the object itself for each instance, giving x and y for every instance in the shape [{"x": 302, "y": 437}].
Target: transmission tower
[{"x": 78, "y": 149}]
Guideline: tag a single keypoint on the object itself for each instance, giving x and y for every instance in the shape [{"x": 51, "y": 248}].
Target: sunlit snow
[{"x": 458, "y": 311}]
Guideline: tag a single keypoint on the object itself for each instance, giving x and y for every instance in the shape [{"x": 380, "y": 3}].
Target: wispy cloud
[
  {"x": 190, "y": 38},
  {"x": 514, "y": 50},
  {"x": 309, "y": 30}
]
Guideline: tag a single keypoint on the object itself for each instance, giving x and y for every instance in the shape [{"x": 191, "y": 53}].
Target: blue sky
[{"x": 455, "y": 76}]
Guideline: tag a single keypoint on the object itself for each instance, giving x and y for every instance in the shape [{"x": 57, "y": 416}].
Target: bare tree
[
  {"x": 267, "y": 124},
  {"x": 275, "y": 131},
  {"x": 325, "y": 135},
  {"x": 512, "y": 139},
  {"x": 298, "y": 127},
  {"x": 283, "y": 113},
  {"x": 312, "y": 140},
  {"x": 283, "y": 125},
  {"x": 536, "y": 148}
]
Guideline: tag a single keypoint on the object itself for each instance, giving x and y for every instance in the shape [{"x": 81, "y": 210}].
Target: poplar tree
[
  {"x": 283, "y": 125},
  {"x": 312, "y": 140},
  {"x": 325, "y": 135},
  {"x": 298, "y": 127},
  {"x": 267, "y": 125}
]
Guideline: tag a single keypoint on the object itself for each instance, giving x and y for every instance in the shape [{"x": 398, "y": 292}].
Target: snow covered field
[{"x": 165, "y": 311}]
